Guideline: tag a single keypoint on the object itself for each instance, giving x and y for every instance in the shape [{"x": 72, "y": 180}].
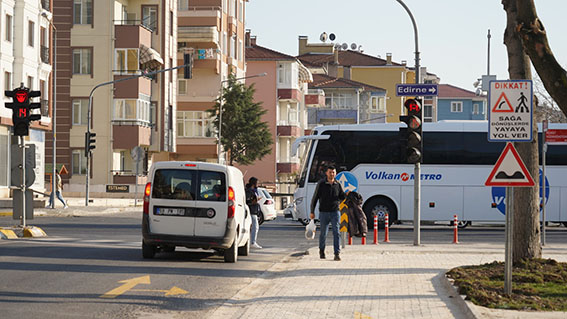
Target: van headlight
[{"x": 298, "y": 201}]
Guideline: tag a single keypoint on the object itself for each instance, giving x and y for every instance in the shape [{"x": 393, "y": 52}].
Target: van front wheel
[{"x": 231, "y": 254}]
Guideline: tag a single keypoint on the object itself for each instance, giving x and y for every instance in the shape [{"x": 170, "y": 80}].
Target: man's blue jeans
[{"x": 333, "y": 218}]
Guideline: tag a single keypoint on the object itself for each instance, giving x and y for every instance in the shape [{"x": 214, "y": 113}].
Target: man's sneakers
[
  {"x": 337, "y": 257},
  {"x": 322, "y": 253},
  {"x": 255, "y": 245}
]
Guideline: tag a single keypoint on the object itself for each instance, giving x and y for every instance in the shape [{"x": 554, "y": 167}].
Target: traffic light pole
[
  {"x": 89, "y": 115},
  {"x": 23, "y": 186},
  {"x": 417, "y": 168}
]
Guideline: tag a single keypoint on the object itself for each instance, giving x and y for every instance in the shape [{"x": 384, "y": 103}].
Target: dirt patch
[{"x": 537, "y": 284}]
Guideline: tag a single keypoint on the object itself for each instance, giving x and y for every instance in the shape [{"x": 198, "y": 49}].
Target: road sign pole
[
  {"x": 543, "y": 185},
  {"x": 416, "y": 205},
  {"x": 509, "y": 242}
]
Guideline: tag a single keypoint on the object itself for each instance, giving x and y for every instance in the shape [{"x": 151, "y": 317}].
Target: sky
[{"x": 452, "y": 34}]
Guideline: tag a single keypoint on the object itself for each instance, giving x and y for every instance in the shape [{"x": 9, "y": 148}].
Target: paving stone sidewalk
[{"x": 384, "y": 281}]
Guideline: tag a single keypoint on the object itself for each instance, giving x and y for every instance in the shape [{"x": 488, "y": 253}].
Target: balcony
[
  {"x": 128, "y": 134},
  {"x": 128, "y": 177},
  {"x": 315, "y": 97},
  {"x": 208, "y": 59},
  {"x": 289, "y": 130},
  {"x": 200, "y": 16},
  {"x": 203, "y": 34},
  {"x": 131, "y": 36},
  {"x": 232, "y": 25},
  {"x": 44, "y": 52},
  {"x": 287, "y": 168}
]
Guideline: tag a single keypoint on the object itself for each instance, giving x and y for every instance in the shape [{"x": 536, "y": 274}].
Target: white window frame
[
  {"x": 377, "y": 104},
  {"x": 81, "y": 11},
  {"x": 79, "y": 156},
  {"x": 425, "y": 118},
  {"x": 456, "y": 107},
  {"x": 80, "y": 106},
  {"x": 147, "y": 12},
  {"x": 137, "y": 110},
  {"x": 338, "y": 100},
  {"x": 8, "y": 25},
  {"x": 181, "y": 87},
  {"x": 241, "y": 11},
  {"x": 187, "y": 125},
  {"x": 8, "y": 81},
  {"x": 84, "y": 68},
  {"x": 475, "y": 109},
  {"x": 31, "y": 33},
  {"x": 127, "y": 55}
]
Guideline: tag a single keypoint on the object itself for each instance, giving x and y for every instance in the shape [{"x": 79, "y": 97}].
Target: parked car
[
  {"x": 266, "y": 205},
  {"x": 195, "y": 205}
]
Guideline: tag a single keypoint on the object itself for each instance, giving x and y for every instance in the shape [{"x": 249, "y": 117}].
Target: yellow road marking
[
  {"x": 127, "y": 285},
  {"x": 358, "y": 315},
  {"x": 171, "y": 292}
]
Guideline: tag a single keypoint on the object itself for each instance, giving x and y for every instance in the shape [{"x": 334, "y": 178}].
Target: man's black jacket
[{"x": 329, "y": 196}]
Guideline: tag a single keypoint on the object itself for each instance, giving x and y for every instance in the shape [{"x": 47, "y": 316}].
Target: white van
[{"x": 195, "y": 205}]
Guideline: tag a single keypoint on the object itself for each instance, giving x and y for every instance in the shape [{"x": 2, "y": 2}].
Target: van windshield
[{"x": 183, "y": 184}]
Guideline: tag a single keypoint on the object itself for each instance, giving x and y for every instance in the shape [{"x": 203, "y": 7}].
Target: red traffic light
[
  {"x": 21, "y": 96},
  {"x": 412, "y": 105}
]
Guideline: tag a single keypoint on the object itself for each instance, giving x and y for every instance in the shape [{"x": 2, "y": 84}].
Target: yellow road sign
[{"x": 344, "y": 216}]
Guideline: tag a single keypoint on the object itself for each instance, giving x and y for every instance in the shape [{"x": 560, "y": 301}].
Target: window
[
  {"x": 182, "y": 87},
  {"x": 428, "y": 113},
  {"x": 153, "y": 118},
  {"x": 224, "y": 44},
  {"x": 377, "y": 104},
  {"x": 80, "y": 109},
  {"x": 233, "y": 8},
  {"x": 127, "y": 61},
  {"x": 233, "y": 47},
  {"x": 79, "y": 163},
  {"x": 132, "y": 110},
  {"x": 475, "y": 108},
  {"x": 239, "y": 58},
  {"x": 339, "y": 100},
  {"x": 171, "y": 23},
  {"x": 8, "y": 81},
  {"x": 183, "y": 5},
  {"x": 4, "y": 159},
  {"x": 456, "y": 107},
  {"x": 150, "y": 17},
  {"x": 31, "y": 27},
  {"x": 82, "y": 12},
  {"x": 82, "y": 61},
  {"x": 212, "y": 186},
  {"x": 30, "y": 82},
  {"x": 224, "y": 6},
  {"x": 8, "y": 34},
  {"x": 241, "y": 11},
  {"x": 194, "y": 124}
]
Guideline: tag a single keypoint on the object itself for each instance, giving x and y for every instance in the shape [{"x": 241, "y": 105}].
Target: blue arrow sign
[{"x": 416, "y": 89}]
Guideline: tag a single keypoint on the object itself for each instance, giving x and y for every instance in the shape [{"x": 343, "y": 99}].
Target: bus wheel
[
  {"x": 462, "y": 224},
  {"x": 380, "y": 207}
]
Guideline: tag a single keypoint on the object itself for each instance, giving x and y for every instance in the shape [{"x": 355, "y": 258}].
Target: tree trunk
[
  {"x": 526, "y": 199},
  {"x": 534, "y": 40}
]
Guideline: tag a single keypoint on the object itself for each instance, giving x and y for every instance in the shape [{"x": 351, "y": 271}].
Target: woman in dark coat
[{"x": 357, "y": 224}]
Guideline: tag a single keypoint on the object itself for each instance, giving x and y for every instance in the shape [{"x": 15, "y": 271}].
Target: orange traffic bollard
[
  {"x": 386, "y": 229},
  {"x": 375, "y": 230},
  {"x": 455, "y": 230}
]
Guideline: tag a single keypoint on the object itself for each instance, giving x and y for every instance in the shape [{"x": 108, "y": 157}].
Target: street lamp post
[
  {"x": 417, "y": 168},
  {"x": 54, "y": 118},
  {"x": 219, "y": 147}
]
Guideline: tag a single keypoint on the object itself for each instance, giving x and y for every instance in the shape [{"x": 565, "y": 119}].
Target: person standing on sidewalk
[
  {"x": 252, "y": 199},
  {"x": 58, "y": 189},
  {"x": 329, "y": 193}
]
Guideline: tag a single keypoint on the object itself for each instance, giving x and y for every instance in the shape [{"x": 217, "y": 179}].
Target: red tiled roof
[
  {"x": 259, "y": 53},
  {"x": 346, "y": 58},
  {"x": 448, "y": 90},
  {"x": 321, "y": 81}
]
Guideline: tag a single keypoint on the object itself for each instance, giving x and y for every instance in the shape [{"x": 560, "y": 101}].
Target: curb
[
  {"x": 34, "y": 231},
  {"x": 7, "y": 234},
  {"x": 466, "y": 307}
]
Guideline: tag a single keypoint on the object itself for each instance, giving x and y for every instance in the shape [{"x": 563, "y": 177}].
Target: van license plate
[{"x": 170, "y": 211}]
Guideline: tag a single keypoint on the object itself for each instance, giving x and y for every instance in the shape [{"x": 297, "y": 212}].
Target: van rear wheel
[
  {"x": 148, "y": 251},
  {"x": 231, "y": 254},
  {"x": 245, "y": 250}
]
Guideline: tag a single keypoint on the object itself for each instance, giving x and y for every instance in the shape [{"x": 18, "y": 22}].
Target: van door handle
[{"x": 240, "y": 205}]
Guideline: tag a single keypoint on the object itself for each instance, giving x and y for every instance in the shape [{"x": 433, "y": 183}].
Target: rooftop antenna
[{"x": 488, "y": 64}]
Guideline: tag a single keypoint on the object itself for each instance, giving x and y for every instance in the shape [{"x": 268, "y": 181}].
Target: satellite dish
[
  {"x": 344, "y": 46},
  {"x": 332, "y": 37},
  {"x": 337, "y": 46},
  {"x": 323, "y": 37},
  {"x": 353, "y": 46},
  {"x": 360, "y": 49}
]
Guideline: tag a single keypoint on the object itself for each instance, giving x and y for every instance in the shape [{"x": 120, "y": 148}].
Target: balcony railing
[{"x": 44, "y": 54}]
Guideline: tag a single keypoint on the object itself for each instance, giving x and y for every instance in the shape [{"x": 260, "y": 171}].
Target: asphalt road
[{"x": 91, "y": 267}]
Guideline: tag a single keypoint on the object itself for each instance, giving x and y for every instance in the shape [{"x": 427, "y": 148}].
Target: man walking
[
  {"x": 329, "y": 193},
  {"x": 58, "y": 189}
]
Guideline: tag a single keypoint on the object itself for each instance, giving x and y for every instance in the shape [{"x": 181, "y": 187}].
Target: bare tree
[
  {"x": 526, "y": 199},
  {"x": 534, "y": 40},
  {"x": 546, "y": 107}
]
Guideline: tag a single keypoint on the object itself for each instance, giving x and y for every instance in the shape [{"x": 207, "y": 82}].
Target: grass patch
[{"x": 537, "y": 284}]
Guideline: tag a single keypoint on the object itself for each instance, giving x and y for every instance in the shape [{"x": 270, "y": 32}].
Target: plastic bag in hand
[{"x": 310, "y": 230}]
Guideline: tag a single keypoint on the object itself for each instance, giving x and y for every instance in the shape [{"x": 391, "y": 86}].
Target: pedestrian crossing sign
[{"x": 510, "y": 116}]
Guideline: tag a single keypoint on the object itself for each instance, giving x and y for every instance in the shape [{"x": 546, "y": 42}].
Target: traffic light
[
  {"x": 21, "y": 109},
  {"x": 188, "y": 70},
  {"x": 89, "y": 142},
  {"x": 413, "y": 133}
]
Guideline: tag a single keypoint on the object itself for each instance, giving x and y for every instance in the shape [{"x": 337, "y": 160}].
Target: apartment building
[
  {"x": 105, "y": 41},
  {"x": 282, "y": 93},
  {"x": 25, "y": 59},
  {"x": 212, "y": 32}
]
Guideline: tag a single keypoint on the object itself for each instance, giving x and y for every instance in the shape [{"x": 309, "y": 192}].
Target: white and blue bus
[{"x": 457, "y": 160}]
